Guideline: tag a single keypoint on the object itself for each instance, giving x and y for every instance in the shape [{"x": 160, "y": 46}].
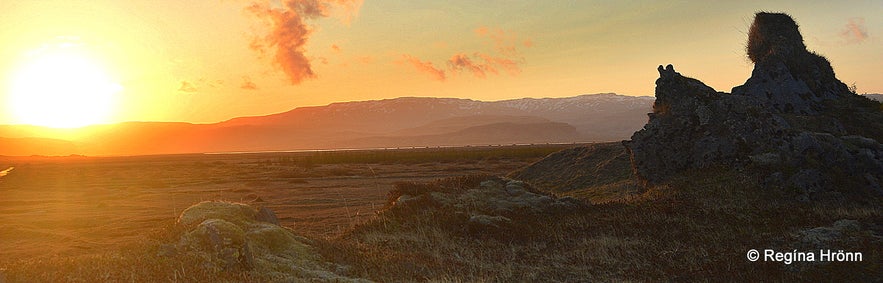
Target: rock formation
[{"x": 793, "y": 124}]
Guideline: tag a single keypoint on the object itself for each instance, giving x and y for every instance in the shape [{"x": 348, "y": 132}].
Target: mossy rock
[
  {"x": 213, "y": 232},
  {"x": 271, "y": 239},
  {"x": 219, "y": 242},
  {"x": 240, "y": 214},
  {"x": 228, "y": 236}
]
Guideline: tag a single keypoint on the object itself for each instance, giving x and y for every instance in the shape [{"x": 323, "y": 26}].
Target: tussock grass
[
  {"x": 139, "y": 262},
  {"x": 697, "y": 227}
]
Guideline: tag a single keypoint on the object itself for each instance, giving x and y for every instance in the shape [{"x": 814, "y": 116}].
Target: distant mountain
[
  {"x": 407, "y": 121},
  {"x": 596, "y": 116}
]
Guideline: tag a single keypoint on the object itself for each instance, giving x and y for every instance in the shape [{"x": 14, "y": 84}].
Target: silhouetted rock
[{"x": 792, "y": 124}]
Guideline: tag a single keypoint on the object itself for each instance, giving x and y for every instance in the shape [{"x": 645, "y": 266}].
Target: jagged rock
[
  {"x": 694, "y": 126},
  {"x": 792, "y": 123}
]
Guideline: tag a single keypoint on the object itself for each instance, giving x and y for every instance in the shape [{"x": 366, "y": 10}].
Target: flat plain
[{"x": 70, "y": 206}]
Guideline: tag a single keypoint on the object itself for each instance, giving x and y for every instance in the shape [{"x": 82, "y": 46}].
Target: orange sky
[{"x": 207, "y": 61}]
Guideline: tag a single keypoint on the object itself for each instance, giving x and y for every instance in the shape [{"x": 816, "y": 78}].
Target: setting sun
[{"x": 62, "y": 89}]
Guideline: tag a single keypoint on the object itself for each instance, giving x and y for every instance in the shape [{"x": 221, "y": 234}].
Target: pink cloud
[
  {"x": 855, "y": 31},
  {"x": 289, "y": 33},
  {"x": 505, "y": 56},
  {"x": 425, "y": 67},
  {"x": 461, "y": 62}
]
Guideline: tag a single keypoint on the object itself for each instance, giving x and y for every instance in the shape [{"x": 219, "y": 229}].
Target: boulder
[{"x": 235, "y": 236}]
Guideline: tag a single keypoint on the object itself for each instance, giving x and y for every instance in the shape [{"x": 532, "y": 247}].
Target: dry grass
[
  {"x": 61, "y": 217},
  {"x": 696, "y": 228}
]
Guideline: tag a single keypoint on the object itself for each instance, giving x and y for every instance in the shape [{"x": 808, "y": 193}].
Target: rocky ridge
[{"x": 793, "y": 124}]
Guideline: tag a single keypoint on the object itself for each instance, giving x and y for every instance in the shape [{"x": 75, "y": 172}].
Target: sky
[{"x": 205, "y": 61}]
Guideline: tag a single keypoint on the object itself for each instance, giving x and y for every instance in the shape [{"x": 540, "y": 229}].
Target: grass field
[
  {"x": 61, "y": 206},
  {"x": 108, "y": 219}
]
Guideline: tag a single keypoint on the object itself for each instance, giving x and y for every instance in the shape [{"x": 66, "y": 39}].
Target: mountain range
[{"x": 399, "y": 122}]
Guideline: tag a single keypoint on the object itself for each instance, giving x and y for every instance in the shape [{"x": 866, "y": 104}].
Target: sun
[{"x": 62, "y": 88}]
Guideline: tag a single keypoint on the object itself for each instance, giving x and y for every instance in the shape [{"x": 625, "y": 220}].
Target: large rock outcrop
[{"x": 793, "y": 124}]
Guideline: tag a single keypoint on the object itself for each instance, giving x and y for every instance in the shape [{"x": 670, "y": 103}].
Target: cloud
[
  {"x": 503, "y": 42},
  {"x": 855, "y": 31},
  {"x": 425, "y": 67},
  {"x": 528, "y": 43},
  {"x": 461, "y": 62},
  {"x": 366, "y": 59},
  {"x": 187, "y": 87},
  {"x": 248, "y": 84},
  {"x": 288, "y": 31},
  {"x": 505, "y": 57},
  {"x": 510, "y": 65}
]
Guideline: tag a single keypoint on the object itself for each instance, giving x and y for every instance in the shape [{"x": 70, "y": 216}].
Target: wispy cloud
[
  {"x": 187, "y": 87},
  {"x": 248, "y": 84},
  {"x": 855, "y": 31},
  {"x": 424, "y": 67},
  {"x": 461, "y": 62},
  {"x": 288, "y": 31},
  {"x": 505, "y": 56}
]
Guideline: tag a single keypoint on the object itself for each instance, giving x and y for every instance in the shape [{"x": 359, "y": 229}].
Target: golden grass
[{"x": 697, "y": 227}]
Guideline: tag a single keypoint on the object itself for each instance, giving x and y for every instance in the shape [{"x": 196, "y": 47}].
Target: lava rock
[{"x": 792, "y": 124}]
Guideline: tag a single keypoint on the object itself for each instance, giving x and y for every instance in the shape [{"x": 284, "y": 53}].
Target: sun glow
[{"x": 62, "y": 88}]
